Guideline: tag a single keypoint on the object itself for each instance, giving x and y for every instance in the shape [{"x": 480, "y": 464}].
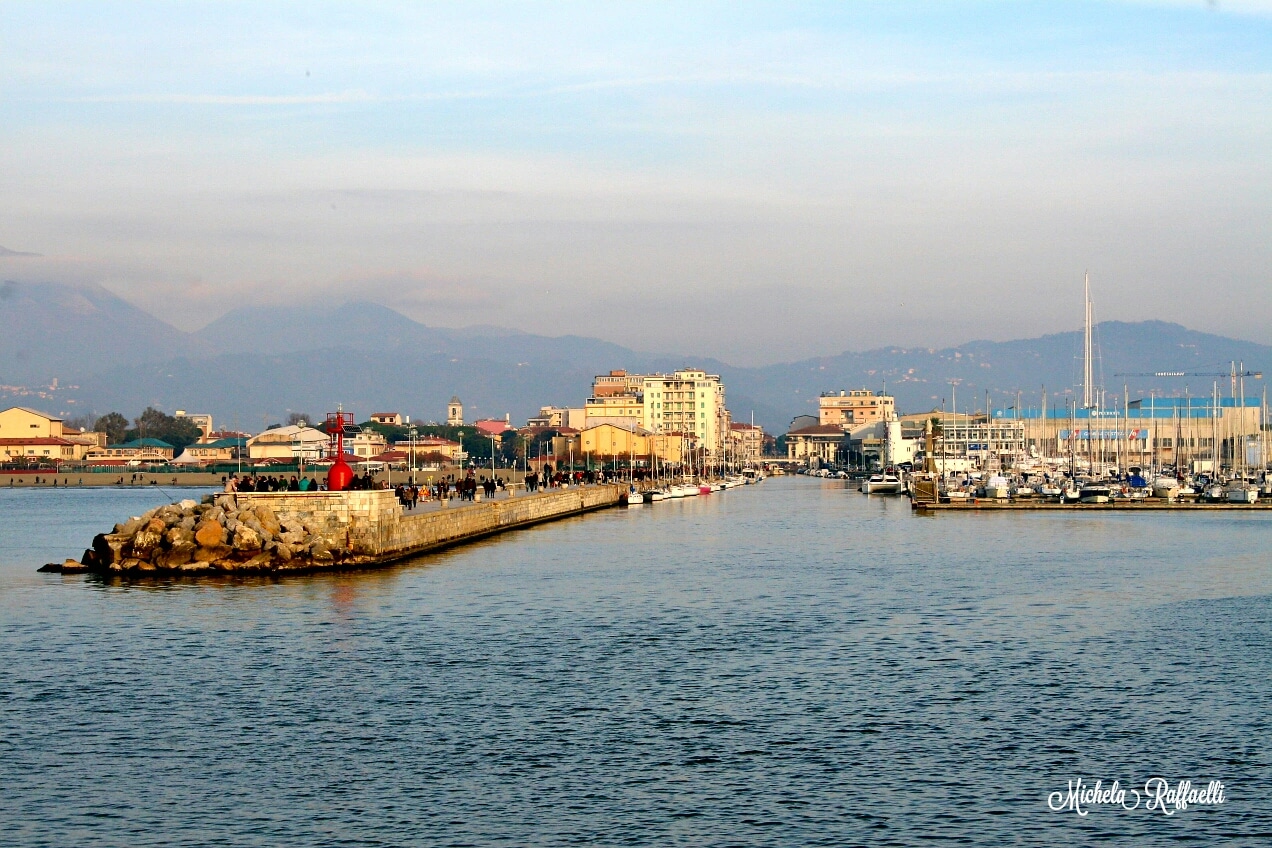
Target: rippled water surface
[{"x": 786, "y": 664}]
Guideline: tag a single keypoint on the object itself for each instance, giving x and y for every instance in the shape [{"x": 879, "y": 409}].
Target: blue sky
[{"x": 755, "y": 182}]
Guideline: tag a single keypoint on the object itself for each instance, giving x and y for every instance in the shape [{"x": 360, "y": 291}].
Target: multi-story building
[
  {"x": 392, "y": 419},
  {"x": 625, "y": 410},
  {"x": 366, "y": 444},
  {"x": 557, "y": 417},
  {"x": 819, "y": 444},
  {"x": 746, "y": 442},
  {"x": 848, "y": 409},
  {"x": 201, "y": 420},
  {"x": 689, "y": 403}
]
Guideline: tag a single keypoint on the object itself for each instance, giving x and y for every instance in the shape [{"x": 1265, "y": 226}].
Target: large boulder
[
  {"x": 144, "y": 543},
  {"x": 294, "y": 538},
  {"x": 260, "y": 562},
  {"x": 212, "y": 554},
  {"x": 268, "y": 520},
  {"x": 179, "y": 534},
  {"x": 109, "y": 547},
  {"x": 179, "y": 554},
  {"x": 246, "y": 539},
  {"x": 209, "y": 534}
]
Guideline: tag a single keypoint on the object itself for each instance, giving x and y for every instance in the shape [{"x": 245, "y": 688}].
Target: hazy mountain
[
  {"x": 255, "y": 364},
  {"x": 51, "y": 330},
  {"x": 4, "y": 251},
  {"x": 920, "y": 378},
  {"x": 371, "y": 327}
]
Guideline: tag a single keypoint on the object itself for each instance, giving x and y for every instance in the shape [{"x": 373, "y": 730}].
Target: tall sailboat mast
[{"x": 1086, "y": 348}]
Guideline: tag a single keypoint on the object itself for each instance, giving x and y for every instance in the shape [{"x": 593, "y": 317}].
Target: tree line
[{"x": 150, "y": 424}]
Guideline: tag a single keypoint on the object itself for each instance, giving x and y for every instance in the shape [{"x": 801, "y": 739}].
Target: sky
[{"x": 753, "y": 182}]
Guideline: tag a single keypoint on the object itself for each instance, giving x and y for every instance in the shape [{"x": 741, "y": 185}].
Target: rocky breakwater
[{"x": 217, "y": 535}]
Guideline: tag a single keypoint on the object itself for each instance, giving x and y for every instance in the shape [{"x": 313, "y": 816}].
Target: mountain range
[{"x": 255, "y": 364}]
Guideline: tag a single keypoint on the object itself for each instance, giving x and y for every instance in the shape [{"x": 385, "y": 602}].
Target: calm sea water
[{"x": 786, "y": 664}]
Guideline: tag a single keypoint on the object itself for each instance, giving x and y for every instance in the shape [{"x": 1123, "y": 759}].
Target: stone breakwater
[{"x": 291, "y": 532}]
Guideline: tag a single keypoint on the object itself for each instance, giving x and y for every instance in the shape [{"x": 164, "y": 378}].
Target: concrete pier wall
[{"x": 374, "y": 526}]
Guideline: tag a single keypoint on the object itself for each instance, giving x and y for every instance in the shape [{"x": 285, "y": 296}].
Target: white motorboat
[
  {"x": 887, "y": 483},
  {"x": 1166, "y": 488}
]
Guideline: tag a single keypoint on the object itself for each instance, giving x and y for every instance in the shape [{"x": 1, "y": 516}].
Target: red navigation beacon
[{"x": 340, "y": 475}]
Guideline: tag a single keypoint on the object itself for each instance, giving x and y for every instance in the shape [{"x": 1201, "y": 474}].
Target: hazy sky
[{"x": 754, "y": 182}]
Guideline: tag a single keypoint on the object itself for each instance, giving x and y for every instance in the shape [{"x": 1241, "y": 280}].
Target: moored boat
[
  {"x": 1242, "y": 491},
  {"x": 1094, "y": 493},
  {"x": 887, "y": 483}
]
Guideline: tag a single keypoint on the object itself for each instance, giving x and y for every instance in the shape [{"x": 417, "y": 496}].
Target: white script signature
[{"x": 1159, "y": 795}]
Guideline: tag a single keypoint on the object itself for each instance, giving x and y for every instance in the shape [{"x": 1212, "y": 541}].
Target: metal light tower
[{"x": 340, "y": 475}]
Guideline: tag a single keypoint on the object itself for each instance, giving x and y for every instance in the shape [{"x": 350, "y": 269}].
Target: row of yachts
[
  {"x": 1132, "y": 487},
  {"x": 687, "y": 489},
  {"x": 1063, "y": 489}
]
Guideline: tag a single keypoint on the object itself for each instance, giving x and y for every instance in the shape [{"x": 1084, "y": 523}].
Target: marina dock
[{"x": 1117, "y": 504}]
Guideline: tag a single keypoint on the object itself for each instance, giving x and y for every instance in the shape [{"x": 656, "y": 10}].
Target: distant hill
[
  {"x": 255, "y": 364},
  {"x": 52, "y": 330}
]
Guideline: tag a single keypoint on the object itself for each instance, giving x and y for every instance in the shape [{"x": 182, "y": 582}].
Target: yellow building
[
  {"x": 27, "y": 435},
  {"x": 613, "y": 442},
  {"x": 289, "y": 443},
  {"x": 18, "y": 422}
]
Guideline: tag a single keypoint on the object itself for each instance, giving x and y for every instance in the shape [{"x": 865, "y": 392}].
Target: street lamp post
[{"x": 412, "y": 432}]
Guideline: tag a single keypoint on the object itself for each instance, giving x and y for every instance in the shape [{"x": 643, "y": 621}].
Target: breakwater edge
[{"x": 291, "y": 532}]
